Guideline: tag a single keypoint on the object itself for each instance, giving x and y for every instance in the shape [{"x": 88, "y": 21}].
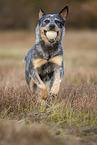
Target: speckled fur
[{"x": 44, "y": 61}]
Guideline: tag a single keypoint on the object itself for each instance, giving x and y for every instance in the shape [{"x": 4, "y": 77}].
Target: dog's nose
[{"x": 52, "y": 26}]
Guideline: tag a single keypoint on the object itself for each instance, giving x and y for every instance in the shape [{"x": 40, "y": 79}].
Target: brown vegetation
[{"x": 71, "y": 119}]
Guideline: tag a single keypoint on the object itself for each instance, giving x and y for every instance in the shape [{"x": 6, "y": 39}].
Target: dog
[{"x": 44, "y": 61}]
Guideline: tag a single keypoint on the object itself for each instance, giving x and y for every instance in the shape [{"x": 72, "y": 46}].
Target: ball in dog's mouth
[{"x": 51, "y": 35}]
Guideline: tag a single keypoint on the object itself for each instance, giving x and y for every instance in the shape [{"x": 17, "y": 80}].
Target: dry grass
[{"x": 73, "y": 117}]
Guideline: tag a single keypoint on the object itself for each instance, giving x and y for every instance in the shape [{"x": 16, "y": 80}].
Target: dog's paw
[
  {"x": 44, "y": 94},
  {"x": 54, "y": 91},
  {"x": 53, "y": 95}
]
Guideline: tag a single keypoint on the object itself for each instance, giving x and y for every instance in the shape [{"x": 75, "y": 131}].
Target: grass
[{"x": 72, "y": 118}]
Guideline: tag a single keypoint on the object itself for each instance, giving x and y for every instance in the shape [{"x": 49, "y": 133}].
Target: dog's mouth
[{"x": 51, "y": 35}]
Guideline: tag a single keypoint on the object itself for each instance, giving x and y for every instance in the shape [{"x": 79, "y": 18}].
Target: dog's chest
[
  {"x": 46, "y": 68},
  {"x": 40, "y": 62}
]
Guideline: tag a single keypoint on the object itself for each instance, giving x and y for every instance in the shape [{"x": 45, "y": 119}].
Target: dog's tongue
[{"x": 51, "y": 35}]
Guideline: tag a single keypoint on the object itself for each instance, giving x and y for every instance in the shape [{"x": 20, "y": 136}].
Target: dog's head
[{"x": 52, "y": 25}]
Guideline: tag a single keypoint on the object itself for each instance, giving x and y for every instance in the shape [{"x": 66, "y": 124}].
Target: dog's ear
[
  {"x": 41, "y": 12},
  {"x": 64, "y": 13}
]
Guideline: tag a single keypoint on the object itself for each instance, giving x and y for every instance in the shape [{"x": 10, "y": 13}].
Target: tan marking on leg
[
  {"x": 56, "y": 84},
  {"x": 44, "y": 94},
  {"x": 32, "y": 85},
  {"x": 57, "y": 60},
  {"x": 40, "y": 84},
  {"x": 39, "y": 62},
  {"x": 42, "y": 88}
]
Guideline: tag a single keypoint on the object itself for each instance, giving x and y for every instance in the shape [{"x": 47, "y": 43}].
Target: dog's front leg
[
  {"x": 36, "y": 78},
  {"x": 56, "y": 80},
  {"x": 55, "y": 83}
]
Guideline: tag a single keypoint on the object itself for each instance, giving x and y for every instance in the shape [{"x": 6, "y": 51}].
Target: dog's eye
[
  {"x": 47, "y": 21},
  {"x": 57, "y": 22}
]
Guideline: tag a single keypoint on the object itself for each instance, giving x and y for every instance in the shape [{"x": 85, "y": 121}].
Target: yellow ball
[{"x": 51, "y": 34}]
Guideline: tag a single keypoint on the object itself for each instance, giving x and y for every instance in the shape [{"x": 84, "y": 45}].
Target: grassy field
[{"x": 24, "y": 118}]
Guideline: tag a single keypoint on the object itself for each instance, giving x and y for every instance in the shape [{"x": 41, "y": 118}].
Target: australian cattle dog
[{"x": 44, "y": 61}]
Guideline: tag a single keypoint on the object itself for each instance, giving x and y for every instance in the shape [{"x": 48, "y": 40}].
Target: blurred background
[{"x": 23, "y": 14}]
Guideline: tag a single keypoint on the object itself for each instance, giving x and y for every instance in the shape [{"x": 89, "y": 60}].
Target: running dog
[{"x": 44, "y": 61}]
